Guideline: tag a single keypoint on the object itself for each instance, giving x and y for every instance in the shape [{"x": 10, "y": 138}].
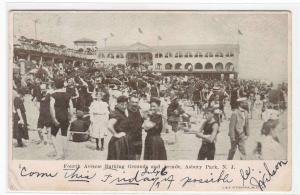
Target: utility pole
[
  {"x": 35, "y": 32},
  {"x": 105, "y": 55}
]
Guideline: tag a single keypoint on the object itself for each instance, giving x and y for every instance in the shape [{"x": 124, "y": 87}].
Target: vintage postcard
[{"x": 150, "y": 101}]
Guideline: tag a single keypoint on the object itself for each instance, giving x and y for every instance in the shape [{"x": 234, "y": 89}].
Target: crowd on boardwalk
[{"x": 86, "y": 103}]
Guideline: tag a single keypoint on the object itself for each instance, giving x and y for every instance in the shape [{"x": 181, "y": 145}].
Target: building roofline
[
  {"x": 172, "y": 47},
  {"x": 84, "y": 40}
]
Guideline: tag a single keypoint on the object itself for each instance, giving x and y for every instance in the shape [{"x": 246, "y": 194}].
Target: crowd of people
[{"x": 87, "y": 103}]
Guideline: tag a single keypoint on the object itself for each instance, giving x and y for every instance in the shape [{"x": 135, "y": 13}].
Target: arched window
[
  {"x": 188, "y": 55},
  {"x": 198, "y": 66},
  {"x": 209, "y": 66},
  {"x": 110, "y": 55},
  {"x": 219, "y": 66},
  {"x": 198, "y": 55},
  {"x": 219, "y": 54},
  {"x": 101, "y": 55},
  {"x": 178, "y": 66},
  {"x": 168, "y": 55},
  {"x": 168, "y": 66},
  {"x": 178, "y": 55},
  {"x": 209, "y": 54},
  {"x": 229, "y": 66},
  {"x": 188, "y": 66}
]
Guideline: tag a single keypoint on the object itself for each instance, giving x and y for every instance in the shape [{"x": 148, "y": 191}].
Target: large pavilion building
[
  {"x": 85, "y": 43},
  {"x": 205, "y": 61}
]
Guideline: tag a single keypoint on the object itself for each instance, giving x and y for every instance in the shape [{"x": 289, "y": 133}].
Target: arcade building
[{"x": 218, "y": 61}]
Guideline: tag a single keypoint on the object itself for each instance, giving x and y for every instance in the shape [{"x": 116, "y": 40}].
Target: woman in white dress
[
  {"x": 269, "y": 146},
  {"x": 99, "y": 115}
]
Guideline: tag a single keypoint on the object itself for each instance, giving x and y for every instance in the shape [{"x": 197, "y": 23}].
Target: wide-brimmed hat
[{"x": 216, "y": 88}]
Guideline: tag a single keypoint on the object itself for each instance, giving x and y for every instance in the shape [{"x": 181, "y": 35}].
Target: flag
[
  {"x": 140, "y": 31},
  {"x": 240, "y": 32},
  {"x": 112, "y": 35},
  {"x": 159, "y": 38}
]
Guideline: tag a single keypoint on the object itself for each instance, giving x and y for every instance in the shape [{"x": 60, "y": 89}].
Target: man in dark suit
[{"x": 135, "y": 128}]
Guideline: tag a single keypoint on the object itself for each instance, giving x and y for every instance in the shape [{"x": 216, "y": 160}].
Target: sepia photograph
[{"x": 149, "y": 85}]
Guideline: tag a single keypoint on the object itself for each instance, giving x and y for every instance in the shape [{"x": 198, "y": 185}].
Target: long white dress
[{"x": 99, "y": 115}]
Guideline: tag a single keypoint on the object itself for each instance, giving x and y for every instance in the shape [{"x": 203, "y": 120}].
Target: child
[
  {"x": 99, "y": 115},
  {"x": 79, "y": 125}
]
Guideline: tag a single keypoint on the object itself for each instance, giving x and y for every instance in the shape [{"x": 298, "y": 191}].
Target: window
[
  {"x": 229, "y": 67},
  {"x": 198, "y": 55},
  {"x": 219, "y": 66},
  {"x": 168, "y": 55},
  {"x": 178, "y": 55},
  {"x": 110, "y": 55},
  {"x": 209, "y": 54},
  {"x": 209, "y": 66},
  {"x": 168, "y": 66},
  {"x": 158, "y": 55},
  {"x": 198, "y": 66},
  {"x": 178, "y": 66},
  {"x": 219, "y": 54},
  {"x": 188, "y": 55},
  {"x": 229, "y": 54},
  {"x": 188, "y": 66}
]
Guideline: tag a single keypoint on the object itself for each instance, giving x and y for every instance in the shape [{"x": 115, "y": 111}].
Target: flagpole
[{"x": 238, "y": 34}]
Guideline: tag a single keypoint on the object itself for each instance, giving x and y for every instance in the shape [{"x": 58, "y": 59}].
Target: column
[{"x": 28, "y": 57}]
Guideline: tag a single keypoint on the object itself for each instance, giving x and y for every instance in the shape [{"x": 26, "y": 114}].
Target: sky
[{"x": 263, "y": 42}]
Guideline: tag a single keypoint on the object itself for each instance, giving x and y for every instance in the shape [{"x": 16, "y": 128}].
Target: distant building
[
  {"x": 205, "y": 61},
  {"x": 85, "y": 43},
  {"x": 40, "y": 52}
]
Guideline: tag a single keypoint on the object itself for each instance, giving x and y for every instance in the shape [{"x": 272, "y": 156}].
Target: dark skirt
[
  {"x": 118, "y": 149},
  {"x": 135, "y": 145},
  {"x": 19, "y": 131},
  {"x": 234, "y": 104},
  {"x": 154, "y": 148},
  {"x": 207, "y": 151}
]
